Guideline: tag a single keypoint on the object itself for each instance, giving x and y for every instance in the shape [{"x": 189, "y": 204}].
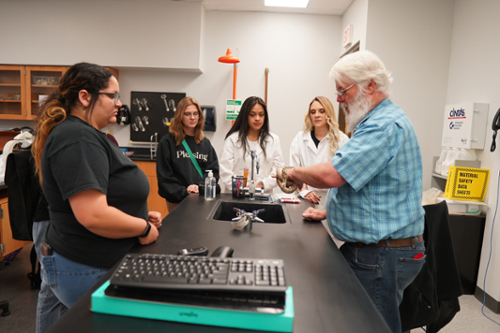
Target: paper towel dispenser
[
  {"x": 465, "y": 125},
  {"x": 210, "y": 120}
]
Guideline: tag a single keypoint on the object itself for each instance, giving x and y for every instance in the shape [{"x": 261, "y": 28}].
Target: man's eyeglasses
[
  {"x": 189, "y": 115},
  {"x": 341, "y": 93},
  {"x": 114, "y": 96}
]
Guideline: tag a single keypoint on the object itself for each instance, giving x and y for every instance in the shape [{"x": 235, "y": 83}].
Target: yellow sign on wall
[{"x": 467, "y": 183}]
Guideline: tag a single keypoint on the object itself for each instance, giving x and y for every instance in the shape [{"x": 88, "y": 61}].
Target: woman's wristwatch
[{"x": 146, "y": 231}]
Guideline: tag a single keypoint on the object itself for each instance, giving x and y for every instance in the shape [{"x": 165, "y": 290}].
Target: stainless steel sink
[{"x": 273, "y": 213}]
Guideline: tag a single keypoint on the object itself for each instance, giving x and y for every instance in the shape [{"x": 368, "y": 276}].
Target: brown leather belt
[{"x": 410, "y": 241}]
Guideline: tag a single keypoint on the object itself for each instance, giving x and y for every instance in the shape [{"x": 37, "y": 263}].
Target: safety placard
[
  {"x": 233, "y": 107},
  {"x": 467, "y": 183}
]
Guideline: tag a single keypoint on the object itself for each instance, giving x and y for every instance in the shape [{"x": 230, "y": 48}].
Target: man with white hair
[{"x": 375, "y": 181}]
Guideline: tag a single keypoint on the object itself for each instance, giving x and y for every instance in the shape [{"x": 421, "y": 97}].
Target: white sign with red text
[
  {"x": 465, "y": 125},
  {"x": 347, "y": 39}
]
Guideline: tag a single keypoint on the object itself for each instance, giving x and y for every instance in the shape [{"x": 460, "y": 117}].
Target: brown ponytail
[{"x": 52, "y": 113}]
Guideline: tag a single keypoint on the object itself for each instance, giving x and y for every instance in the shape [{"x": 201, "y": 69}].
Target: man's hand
[
  {"x": 290, "y": 174},
  {"x": 314, "y": 214}
]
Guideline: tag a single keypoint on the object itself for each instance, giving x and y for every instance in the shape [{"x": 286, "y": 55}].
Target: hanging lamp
[{"x": 229, "y": 58}]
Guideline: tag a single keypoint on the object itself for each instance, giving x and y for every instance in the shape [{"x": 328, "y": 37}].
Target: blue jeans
[
  {"x": 385, "y": 272},
  {"x": 69, "y": 280},
  {"x": 49, "y": 308}
]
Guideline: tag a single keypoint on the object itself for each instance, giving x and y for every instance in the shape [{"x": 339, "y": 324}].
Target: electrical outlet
[{"x": 110, "y": 131}]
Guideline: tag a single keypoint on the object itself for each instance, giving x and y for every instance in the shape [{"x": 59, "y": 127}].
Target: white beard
[{"x": 358, "y": 109}]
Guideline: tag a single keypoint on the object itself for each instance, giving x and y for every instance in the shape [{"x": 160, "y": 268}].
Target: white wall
[
  {"x": 474, "y": 73},
  {"x": 161, "y": 34},
  {"x": 299, "y": 51},
  {"x": 413, "y": 38},
  {"x": 357, "y": 15}
]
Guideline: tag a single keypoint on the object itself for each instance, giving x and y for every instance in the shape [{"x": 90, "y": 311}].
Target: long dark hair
[
  {"x": 242, "y": 127},
  {"x": 177, "y": 128},
  {"x": 81, "y": 76}
]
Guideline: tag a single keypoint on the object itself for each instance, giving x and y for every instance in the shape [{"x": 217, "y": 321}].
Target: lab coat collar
[
  {"x": 310, "y": 143},
  {"x": 259, "y": 150}
]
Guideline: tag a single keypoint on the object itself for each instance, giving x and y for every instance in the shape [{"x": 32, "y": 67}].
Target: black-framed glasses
[
  {"x": 341, "y": 93},
  {"x": 114, "y": 96}
]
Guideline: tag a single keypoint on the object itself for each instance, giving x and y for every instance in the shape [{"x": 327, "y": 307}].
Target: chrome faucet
[
  {"x": 255, "y": 160},
  {"x": 249, "y": 216},
  {"x": 153, "y": 145}
]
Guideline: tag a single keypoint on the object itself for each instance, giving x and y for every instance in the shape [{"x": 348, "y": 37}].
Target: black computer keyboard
[{"x": 248, "y": 284}]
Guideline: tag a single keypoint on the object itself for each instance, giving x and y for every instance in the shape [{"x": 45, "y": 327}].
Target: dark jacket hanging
[
  {"x": 26, "y": 200},
  {"x": 432, "y": 298}
]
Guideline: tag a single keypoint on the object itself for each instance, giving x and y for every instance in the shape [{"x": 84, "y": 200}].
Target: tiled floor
[
  {"x": 470, "y": 319},
  {"x": 15, "y": 287}
]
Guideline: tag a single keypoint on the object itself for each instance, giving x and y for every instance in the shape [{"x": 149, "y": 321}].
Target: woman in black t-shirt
[{"x": 97, "y": 196}]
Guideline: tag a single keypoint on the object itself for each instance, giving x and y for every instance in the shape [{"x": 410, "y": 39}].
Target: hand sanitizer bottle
[{"x": 210, "y": 186}]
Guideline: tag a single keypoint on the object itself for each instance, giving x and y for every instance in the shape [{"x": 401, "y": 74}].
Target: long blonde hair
[{"x": 331, "y": 120}]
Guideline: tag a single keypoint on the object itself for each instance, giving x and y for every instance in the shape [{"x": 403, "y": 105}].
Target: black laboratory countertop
[{"x": 327, "y": 294}]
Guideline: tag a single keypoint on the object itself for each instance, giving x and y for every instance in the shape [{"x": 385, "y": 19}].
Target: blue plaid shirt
[{"x": 383, "y": 169}]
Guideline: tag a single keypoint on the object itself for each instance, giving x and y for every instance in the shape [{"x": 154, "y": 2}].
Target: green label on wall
[{"x": 233, "y": 107}]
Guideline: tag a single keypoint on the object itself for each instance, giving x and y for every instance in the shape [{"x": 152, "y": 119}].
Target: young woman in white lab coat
[
  {"x": 251, "y": 132},
  {"x": 317, "y": 143}
]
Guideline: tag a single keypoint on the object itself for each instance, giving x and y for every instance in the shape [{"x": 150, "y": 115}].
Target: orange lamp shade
[{"x": 229, "y": 58}]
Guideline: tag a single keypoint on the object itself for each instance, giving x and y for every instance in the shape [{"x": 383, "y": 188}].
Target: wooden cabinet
[
  {"x": 7, "y": 243},
  {"x": 41, "y": 81},
  {"x": 12, "y": 92},
  {"x": 155, "y": 202},
  {"x": 22, "y": 88}
]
